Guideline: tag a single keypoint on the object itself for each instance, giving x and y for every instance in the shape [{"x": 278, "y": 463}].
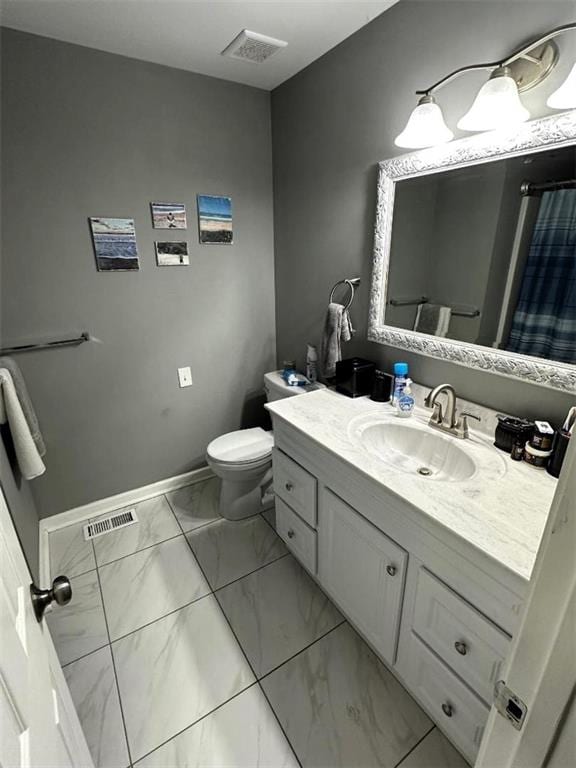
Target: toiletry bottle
[
  {"x": 405, "y": 404},
  {"x": 311, "y": 363},
  {"x": 400, "y": 378}
]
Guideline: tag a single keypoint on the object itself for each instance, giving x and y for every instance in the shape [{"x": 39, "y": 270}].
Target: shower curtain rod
[{"x": 527, "y": 188}]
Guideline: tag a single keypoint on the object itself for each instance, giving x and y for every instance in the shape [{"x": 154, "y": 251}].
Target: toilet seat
[{"x": 242, "y": 447}]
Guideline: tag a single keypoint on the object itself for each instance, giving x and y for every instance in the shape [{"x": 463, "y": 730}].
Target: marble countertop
[{"x": 501, "y": 510}]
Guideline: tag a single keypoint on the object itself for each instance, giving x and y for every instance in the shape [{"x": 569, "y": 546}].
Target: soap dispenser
[{"x": 405, "y": 403}]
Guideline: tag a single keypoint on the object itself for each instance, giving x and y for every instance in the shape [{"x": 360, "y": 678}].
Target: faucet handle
[
  {"x": 437, "y": 414},
  {"x": 464, "y": 416}
]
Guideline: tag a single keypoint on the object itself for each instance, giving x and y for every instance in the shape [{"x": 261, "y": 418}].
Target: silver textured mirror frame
[{"x": 549, "y": 132}]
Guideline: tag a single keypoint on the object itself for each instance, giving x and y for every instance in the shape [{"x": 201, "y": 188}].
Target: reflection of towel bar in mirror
[
  {"x": 47, "y": 344},
  {"x": 473, "y": 312},
  {"x": 352, "y": 283}
]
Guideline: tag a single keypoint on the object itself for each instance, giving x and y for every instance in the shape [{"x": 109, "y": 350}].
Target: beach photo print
[
  {"x": 215, "y": 220},
  {"x": 173, "y": 254},
  {"x": 114, "y": 244},
  {"x": 168, "y": 215}
]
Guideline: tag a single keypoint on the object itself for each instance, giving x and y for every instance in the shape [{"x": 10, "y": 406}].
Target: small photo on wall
[
  {"x": 114, "y": 244},
  {"x": 168, "y": 215},
  {"x": 172, "y": 254},
  {"x": 215, "y": 219}
]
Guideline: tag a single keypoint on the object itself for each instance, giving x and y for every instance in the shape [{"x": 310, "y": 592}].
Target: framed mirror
[{"x": 475, "y": 252}]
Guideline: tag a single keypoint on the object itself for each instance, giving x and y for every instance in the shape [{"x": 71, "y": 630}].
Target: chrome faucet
[{"x": 447, "y": 420}]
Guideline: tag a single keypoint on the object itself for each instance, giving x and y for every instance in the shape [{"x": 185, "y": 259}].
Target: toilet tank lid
[{"x": 242, "y": 445}]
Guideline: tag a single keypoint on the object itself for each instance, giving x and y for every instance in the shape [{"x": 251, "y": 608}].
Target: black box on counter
[{"x": 355, "y": 376}]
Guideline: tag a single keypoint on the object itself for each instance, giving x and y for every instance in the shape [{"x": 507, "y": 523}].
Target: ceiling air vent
[
  {"x": 253, "y": 47},
  {"x": 109, "y": 524}
]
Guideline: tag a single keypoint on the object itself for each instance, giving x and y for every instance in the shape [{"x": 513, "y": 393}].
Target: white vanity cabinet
[
  {"x": 437, "y": 613},
  {"x": 363, "y": 571}
]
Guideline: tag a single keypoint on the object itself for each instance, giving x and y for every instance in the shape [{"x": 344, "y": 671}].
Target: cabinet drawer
[
  {"x": 297, "y": 535},
  {"x": 458, "y": 711},
  {"x": 294, "y": 485},
  {"x": 467, "y": 641}
]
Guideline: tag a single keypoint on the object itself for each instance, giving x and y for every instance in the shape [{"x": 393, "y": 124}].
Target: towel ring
[{"x": 350, "y": 282}]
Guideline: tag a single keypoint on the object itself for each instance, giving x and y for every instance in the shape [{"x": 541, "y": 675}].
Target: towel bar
[
  {"x": 472, "y": 312},
  {"x": 352, "y": 283},
  {"x": 47, "y": 344}
]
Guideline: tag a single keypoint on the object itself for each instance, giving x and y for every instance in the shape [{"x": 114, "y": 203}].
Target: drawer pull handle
[
  {"x": 289, "y": 487},
  {"x": 461, "y": 647},
  {"x": 391, "y": 570},
  {"x": 291, "y": 534},
  {"x": 447, "y": 709}
]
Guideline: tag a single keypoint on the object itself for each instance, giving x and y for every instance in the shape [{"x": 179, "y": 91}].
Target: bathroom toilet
[{"x": 243, "y": 459}]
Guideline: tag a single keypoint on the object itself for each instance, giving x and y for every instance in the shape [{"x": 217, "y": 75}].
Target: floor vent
[
  {"x": 109, "y": 524},
  {"x": 253, "y": 47}
]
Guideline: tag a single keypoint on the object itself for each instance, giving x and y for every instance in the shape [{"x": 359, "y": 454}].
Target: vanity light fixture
[
  {"x": 497, "y": 104},
  {"x": 425, "y": 127},
  {"x": 565, "y": 96}
]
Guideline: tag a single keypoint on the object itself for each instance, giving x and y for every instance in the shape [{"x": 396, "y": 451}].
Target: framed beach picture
[
  {"x": 215, "y": 219},
  {"x": 168, "y": 215},
  {"x": 173, "y": 254},
  {"x": 114, "y": 244}
]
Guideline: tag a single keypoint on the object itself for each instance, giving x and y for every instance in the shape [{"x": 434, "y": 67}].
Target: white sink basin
[{"x": 413, "y": 447}]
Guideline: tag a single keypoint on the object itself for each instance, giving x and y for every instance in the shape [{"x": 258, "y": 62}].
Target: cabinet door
[{"x": 364, "y": 572}]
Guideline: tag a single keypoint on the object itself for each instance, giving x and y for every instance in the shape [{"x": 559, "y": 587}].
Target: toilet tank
[{"x": 276, "y": 388}]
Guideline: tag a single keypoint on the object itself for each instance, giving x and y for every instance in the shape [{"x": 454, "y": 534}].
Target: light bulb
[
  {"x": 497, "y": 105},
  {"x": 565, "y": 96},
  {"x": 425, "y": 126}
]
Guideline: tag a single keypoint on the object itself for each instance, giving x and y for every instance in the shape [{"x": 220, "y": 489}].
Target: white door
[
  {"x": 363, "y": 570},
  {"x": 39, "y": 727},
  {"x": 541, "y": 668}
]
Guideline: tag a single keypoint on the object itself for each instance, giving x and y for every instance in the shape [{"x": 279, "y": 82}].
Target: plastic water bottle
[{"x": 400, "y": 379}]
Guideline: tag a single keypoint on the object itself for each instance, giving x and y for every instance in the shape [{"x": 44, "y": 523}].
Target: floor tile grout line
[
  {"x": 302, "y": 650},
  {"x": 250, "y": 573},
  {"x": 159, "y": 618},
  {"x": 399, "y": 763},
  {"x": 114, "y": 668},
  {"x": 186, "y": 728},
  {"x": 243, "y": 652},
  {"x": 85, "y": 655},
  {"x": 148, "y": 546}
]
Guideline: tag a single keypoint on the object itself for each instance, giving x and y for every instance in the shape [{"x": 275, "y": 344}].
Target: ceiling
[{"x": 190, "y": 34}]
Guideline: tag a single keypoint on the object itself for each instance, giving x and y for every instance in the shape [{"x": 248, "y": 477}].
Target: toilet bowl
[{"x": 243, "y": 459}]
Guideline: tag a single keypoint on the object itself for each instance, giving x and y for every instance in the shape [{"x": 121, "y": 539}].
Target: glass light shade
[
  {"x": 497, "y": 105},
  {"x": 425, "y": 127},
  {"x": 565, "y": 96}
]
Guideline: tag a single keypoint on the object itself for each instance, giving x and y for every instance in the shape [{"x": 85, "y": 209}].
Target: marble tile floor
[{"x": 191, "y": 641}]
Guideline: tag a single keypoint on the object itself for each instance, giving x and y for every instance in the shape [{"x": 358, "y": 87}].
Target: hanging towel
[
  {"x": 433, "y": 319},
  {"x": 25, "y": 402},
  {"x": 337, "y": 328},
  {"x": 27, "y": 455}
]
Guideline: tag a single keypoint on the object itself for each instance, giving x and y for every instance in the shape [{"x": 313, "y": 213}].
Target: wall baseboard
[{"x": 109, "y": 504}]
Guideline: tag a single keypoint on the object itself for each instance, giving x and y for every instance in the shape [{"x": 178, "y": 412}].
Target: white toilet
[{"x": 243, "y": 459}]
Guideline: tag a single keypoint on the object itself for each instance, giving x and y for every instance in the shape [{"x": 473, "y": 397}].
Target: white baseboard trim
[{"x": 109, "y": 504}]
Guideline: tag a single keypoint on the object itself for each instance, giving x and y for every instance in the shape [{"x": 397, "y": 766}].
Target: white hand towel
[
  {"x": 29, "y": 461},
  {"x": 337, "y": 328},
  {"x": 433, "y": 319}
]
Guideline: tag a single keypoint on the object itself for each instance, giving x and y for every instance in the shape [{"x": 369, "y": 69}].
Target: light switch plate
[{"x": 185, "y": 376}]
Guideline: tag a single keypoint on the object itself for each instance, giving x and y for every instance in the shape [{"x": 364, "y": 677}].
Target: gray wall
[
  {"x": 336, "y": 119},
  {"x": 87, "y": 133}
]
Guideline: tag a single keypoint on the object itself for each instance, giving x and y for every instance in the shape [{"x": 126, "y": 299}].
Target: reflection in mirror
[{"x": 486, "y": 254}]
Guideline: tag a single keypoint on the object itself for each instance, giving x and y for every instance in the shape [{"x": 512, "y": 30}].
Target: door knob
[
  {"x": 61, "y": 593},
  {"x": 461, "y": 647}
]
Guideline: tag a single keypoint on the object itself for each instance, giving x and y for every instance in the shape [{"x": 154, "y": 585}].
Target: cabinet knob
[
  {"x": 461, "y": 647},
  {"x": 391, "y": 570},
  {"x": 447, "y": 709},
  {"x": 289, "y": 487},
  {"x": 291, "y": 534}
]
